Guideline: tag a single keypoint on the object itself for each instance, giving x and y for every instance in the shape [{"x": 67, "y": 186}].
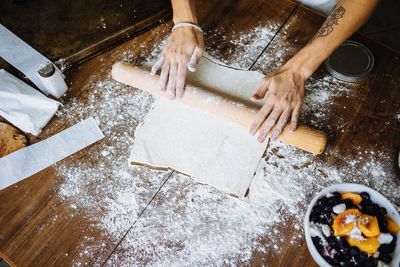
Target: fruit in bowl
[{"x": 352, "y": 225}]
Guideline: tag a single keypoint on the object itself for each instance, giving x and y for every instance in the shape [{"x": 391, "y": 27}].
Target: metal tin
[
  {"x": 351, "y": 62},
  {"x": 46, "y": 69}
]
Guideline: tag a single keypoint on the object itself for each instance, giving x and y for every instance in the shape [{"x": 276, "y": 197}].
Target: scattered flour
[
  {"x": 190, "y": 224},
  {"x": 244, "y": 47}
]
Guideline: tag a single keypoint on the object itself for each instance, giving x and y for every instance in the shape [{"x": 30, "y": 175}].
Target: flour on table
[
  {"x": 209, "y": 148},
  {"x": 187, "y": 223}
]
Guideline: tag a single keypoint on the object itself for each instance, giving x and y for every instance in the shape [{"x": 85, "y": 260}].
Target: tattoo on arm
[{"x": 330, "y": 22}]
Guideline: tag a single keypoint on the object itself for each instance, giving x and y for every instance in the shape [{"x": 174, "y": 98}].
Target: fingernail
[
  {"x": 191, "y": 68},
  {"x": 252, "y": 131},
  {"x": 260, "y": 139},
  {"x": 256, "y": 96}
]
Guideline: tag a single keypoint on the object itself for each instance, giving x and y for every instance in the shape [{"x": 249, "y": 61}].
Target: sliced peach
[
  {"x": 340, "y": 227},
  {"x": 368, "y": 245},
  {"x": 369, "y": 226},
  {"x": 393, "y": 227},
  {"x": 355, "y": 198}
]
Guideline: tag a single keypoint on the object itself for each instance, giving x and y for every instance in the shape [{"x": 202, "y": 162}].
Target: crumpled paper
[{"x": 23, "y": 106}]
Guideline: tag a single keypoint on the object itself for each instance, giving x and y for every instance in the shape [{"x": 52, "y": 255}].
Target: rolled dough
[{"x": 210, "y": 149}]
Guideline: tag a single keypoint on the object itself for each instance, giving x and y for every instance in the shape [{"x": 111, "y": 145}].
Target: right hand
[{"x": 183, "y": 51}]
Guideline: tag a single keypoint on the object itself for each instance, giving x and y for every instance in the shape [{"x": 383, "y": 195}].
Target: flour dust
[{"x": 187, "y": 223}]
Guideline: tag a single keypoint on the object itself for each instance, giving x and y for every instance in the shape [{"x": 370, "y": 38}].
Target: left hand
[{"x": 282, "y": 93}]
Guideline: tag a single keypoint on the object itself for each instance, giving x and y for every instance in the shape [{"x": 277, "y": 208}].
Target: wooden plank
[
  {"x": 241, "y": 30},
  {"x": 76, "y": 30}
]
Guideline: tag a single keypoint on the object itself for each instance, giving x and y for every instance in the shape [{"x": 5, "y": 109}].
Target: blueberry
[
  {"x": 322, "y": 201},
  {"x": 387, "y": 248},
  {"x": 364, "y": 203},
  {"x": 394, "y": 241},
  {"x": 332, "y": 201},
  {"x": 337, "y": 196},
  {"x": 369, "y": 263},
  {"x": 329, "y": 260},
  {"x": 386, "y": 258},
  {"x": 383, "y": 224},
  {"x": 364, "y": 257},
  {"x": 316, "y": 240},
  {"x": 313, "y": 217},
  {"x": 333, "y": 242},
  {"x": 365, "y": 196},
  {"x": 327, "y": 210},
  {"x": 371, "y": 209},
  {"x": 317, "y": 209},
  {"x": 343, "y": 243},
  {"x": 328, "y": 219},
  {"x": 349, "y": 204},
  {"x": 342, "y": 257},
  {"x": 383, "y": 211},
  {"x": 355, "y": 252}
]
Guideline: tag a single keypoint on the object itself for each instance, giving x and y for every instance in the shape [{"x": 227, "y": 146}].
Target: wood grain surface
[
  {"x": 40, "y": 228},
  {"x": 75, "y": 31}
]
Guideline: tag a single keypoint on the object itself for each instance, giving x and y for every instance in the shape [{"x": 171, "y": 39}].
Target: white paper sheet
[
  {"x": 22, "y": 56},
  {"x": 208, "y": 148},
  {"x": 34, "y": 158},
  {"x": 23, "y": 106}
]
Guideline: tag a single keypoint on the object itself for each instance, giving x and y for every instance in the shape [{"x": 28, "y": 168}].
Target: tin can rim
[{"x": 352, "y": 77}]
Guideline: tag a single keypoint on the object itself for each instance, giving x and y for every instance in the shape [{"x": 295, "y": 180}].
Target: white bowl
[{"x": 356, "y": 188}]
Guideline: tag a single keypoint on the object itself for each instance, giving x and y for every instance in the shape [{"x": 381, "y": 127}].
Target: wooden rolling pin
[{"x": 304, "y": 137}]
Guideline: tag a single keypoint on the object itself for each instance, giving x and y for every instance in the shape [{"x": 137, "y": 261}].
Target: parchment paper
[{"x": 34, "y": 158}]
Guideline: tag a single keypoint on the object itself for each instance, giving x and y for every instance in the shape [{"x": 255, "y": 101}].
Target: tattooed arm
[
  {"x": 282, "y": 91},
  {"x": 346, "y": 18}
]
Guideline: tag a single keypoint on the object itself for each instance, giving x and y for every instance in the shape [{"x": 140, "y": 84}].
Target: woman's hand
[
  {"x": 282, "y": 93},
  {"x": 183, "y": 51}
]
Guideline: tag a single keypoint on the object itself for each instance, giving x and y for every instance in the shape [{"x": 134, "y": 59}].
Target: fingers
[
  {"x": 180, "y": 80},
  {"x": 164, "y": 75},
  {"x": 269, "y": 123},
  {"x": 173, "y": 73},
  {"x": 295, "y": 118},
  {"x": 283, "y": 119},
  {"x": 259, "y": 95},
  {"x": 157, "y": 66},
  {"x": 260, "y": 117},
  {"x": 171, "y": 87},
  {"x": 195, "y": 58}
]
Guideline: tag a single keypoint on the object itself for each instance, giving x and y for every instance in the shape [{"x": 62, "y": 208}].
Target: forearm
[
  {"x": 347, "y": 17},
  {"x": 184, "y": 11}
]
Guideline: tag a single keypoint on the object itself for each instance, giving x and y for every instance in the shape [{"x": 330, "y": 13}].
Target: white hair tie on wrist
[{"x": 186, "y": 24}]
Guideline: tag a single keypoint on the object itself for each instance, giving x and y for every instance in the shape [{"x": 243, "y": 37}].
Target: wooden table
[{"x": 39, "y": 227}]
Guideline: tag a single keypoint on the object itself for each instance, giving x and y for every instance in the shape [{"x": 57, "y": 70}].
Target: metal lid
[
  {"x": 351, "y": 62},
  {"x": 46, "y": 69}
]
